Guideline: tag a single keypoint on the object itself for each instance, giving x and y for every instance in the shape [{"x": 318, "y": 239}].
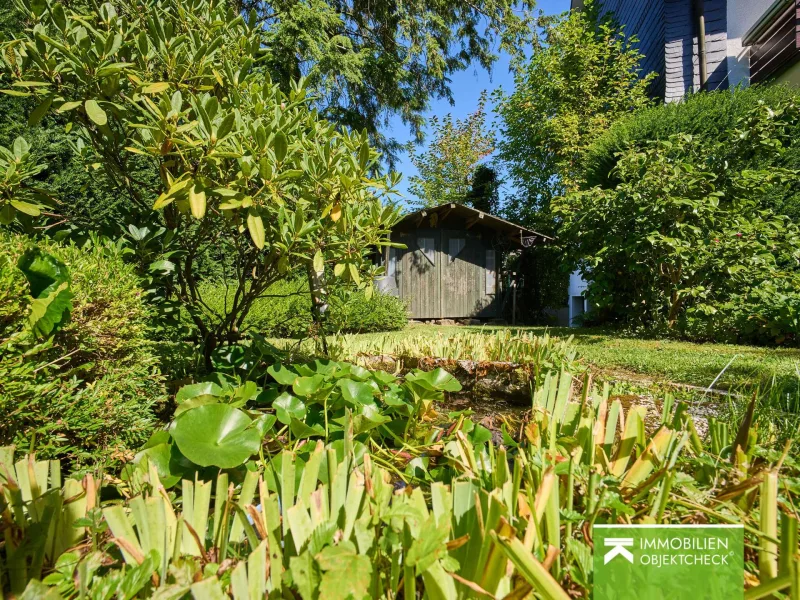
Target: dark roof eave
[{"x": 488, "y": 220}]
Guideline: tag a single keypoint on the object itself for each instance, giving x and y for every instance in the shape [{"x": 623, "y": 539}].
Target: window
[
  {"x": 426, "y": 245},
  {"x": 456, "y": 246},
  {"x": 491, "y": 274}
]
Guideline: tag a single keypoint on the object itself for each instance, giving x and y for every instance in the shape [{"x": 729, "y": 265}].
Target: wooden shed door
[
  {"x": 464, "y": 268},
  {"x": 421, "y": 264}
]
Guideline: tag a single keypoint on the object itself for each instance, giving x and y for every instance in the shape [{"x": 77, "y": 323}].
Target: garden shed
[{"x": 449, "y": 268}]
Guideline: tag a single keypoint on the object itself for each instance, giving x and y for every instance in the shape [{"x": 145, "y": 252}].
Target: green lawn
[{"x": 661, "y": 360}]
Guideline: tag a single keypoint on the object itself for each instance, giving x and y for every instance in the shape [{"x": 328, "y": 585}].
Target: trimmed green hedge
[
  {"x": 286, "y": 312},
  {"x": 709, "y": 114},
  {"x": 88, "y": 393}
]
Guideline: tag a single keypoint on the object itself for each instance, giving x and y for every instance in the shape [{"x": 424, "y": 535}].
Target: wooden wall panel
[
  {"x": 645, "y": 20},
  {"x": 445, "y": 289},
  {"x": 667, "y": 37}
]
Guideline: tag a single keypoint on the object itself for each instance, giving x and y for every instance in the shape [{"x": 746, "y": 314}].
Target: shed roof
[{"x": 519, "y": 235}]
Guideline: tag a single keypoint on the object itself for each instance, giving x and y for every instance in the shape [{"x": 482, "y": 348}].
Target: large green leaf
[
  {"x": 281, "y": 374},
  {"x": 307, "y": 386},
  {"x": 321, "y": 367},
  {"x": 287, "y": 406},
  {"x": 204, "y": 388},
  {"x": 49, "y": 281},
  {"x": 43, "y": 271},
  {"x": 95, "y": 113},
  {"x": 436, "y": 380},
  {"x": 356, "y": 392},
  {"x": 300, "y": 430},
  {"x": 216, "y": 435},
  {"x": 352, "y": 371},
  {"x": 51, "y": 311},
  {"x": 157, "y": 452},
  {"x": 369, "y": 418}
]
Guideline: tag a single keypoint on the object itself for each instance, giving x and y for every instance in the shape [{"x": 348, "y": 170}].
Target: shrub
[
  {"x": 286, "y": 310},
  {"x": 87, "y": 392},
  {"x": 684, "y": 242},
  {"x": 358, "y": 314},
  {"x": 236, "y": 162},
  {"x": 708, "y": 115},
  {"x": 763, "y": 314}
]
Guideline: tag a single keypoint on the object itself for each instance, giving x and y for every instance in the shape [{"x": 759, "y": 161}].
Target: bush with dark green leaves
[
  {"x": 684, "y": 242},
  {"x": 84, "y": 389},
  {"x": 285, "y": 310},
  {"x": 711, "y": 116}
]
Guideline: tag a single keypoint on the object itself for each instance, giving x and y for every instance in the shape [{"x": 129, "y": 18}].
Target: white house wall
[{"x": 742, "y": 15}]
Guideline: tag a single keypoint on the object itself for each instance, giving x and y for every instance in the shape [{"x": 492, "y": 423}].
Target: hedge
[
  {"x": 286, "y": 311},
  {"x": 88, "y": 393},
  {"x": 708, "y": 114}
]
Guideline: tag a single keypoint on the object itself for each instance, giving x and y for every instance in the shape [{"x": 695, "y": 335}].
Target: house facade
[{"x": 698, "y": 45}]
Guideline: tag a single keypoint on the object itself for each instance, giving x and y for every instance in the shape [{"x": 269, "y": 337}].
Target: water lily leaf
[
  {"x": 355, "y": 392},
  {"x": 281, "y": 374},
  {"x": 157, "y": 452},
  {"x": 383, "y": 377},
  {"x": 264, "y": 423},
  {"x": 307, "y": 386},
  {"x": 352, "y": 371},
  {"x": 437, "y": 380},
  {"x": 216, "y": 435},
  {"x": 319, "y": 366},
  {"x": 480, "y": 435},
  {"x": 346, "y": 573},
  {"x": 300, "y": 430},
  {"x": 287, "y": 406},
  {"x": 395, "y": 396},
  {"x": 247, "y": 391},
  {"x": 195, "y": 402},
  {"x": 370, "y": 418},
  {"x": 228, "y": 357},
  {"x": 194, "y": 390},
  {"x": 268, "y": 395}
]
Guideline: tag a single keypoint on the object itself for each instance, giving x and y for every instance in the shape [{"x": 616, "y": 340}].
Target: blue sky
[{"x": 467, "y": 87}]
